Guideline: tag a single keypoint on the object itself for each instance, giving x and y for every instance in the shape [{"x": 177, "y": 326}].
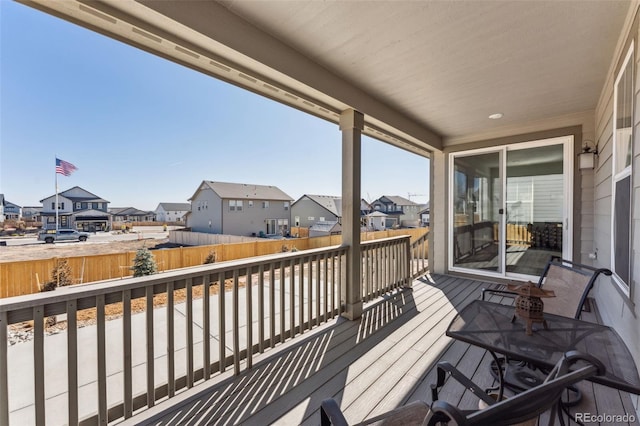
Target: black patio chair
[
  {"x": 519, "y": 408},
  {"x": 571, "y": 283}
]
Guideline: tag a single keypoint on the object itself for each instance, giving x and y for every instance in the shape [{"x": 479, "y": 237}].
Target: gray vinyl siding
[
  {"x": 252, "y": 220},
  {"x": 616, "y": 309},
  {"x": 200, "y": 218},
  {"x": 306, "y": 208}
]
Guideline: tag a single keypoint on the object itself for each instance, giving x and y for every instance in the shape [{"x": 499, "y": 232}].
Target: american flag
[{"x": 64, "y": 167}]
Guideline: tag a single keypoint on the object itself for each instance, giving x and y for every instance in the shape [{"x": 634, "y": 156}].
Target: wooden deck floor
[{"x": 369, "y": 366}]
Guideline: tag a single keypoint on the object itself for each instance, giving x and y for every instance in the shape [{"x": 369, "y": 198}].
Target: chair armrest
[
  {"x": 330, "y": 414},
  {"x": 505, "y": 293}
]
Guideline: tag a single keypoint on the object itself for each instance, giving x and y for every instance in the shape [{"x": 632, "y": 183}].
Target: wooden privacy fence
[{"x": 24, "y": 277}]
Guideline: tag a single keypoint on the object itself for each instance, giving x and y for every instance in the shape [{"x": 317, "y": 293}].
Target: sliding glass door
[
  {"x": 477, "y": 207},
  {"x": 510, "y": 208}
]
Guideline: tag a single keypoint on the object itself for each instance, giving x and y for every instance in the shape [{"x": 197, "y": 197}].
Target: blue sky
[{"x": 143, "y": 130}]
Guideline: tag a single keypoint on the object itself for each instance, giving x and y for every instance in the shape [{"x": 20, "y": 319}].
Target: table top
[{"x": 489, "y": 326}]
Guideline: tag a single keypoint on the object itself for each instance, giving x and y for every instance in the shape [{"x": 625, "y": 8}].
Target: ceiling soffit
[{"x": 134, "y": 23}]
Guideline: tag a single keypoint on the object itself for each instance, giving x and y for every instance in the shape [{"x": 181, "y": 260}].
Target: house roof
[
  {"x": 331, "y": 203},
  {"x": 325, "y": 226},
  {"x": 377, "y": 214},
  {"x": 240, "y": 191},
  {"x": 396, "y": 199},
  {"x": 175, "y": 207},
  {"x": 78, "y": 194},
  {"x": 91, "y": 213},
  {"x": 128, "y": 211}
]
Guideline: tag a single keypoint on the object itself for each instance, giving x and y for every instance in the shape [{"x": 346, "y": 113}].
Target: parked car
[{"x": 50, "y": 236}]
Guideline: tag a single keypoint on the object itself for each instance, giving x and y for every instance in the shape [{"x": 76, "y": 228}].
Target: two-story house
[
  {"x": 12, "y": 211},
  {"x": 77, "y": 208},
  {"x": 172, "y": 212},
  {"x": 404, "y": 212},
  {"x": 311, "y": 209},
  {"x": 239, "y": 209}
]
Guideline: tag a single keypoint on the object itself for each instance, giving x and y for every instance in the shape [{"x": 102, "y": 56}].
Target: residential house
[
  {"x": 130, "y": 214},
  {"x": 2, "y": 207},
  {"x": 77, "y": 208},
  {"x": 12, "y": 211},
  {"x": 172, "y": 212},
  {"x": 32, "y": 213},
  {"x": 240, "y": 209},
  {"x": 405, "y": 212},
  {"x": 424, "y": 214},
  {"x": 311, "y": 209}
]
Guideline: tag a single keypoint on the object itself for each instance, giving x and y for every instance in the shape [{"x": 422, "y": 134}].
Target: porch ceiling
[{"x": 425, "y": 74}]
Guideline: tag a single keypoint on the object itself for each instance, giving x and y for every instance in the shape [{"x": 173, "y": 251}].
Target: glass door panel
[
  {"x": 477, "y": 210},
  {"x": 535, "y": 201}
]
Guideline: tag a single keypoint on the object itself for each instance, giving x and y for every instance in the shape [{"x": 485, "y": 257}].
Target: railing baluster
[
  {"x": 126, "y": 346},
  {"x": 236, "y": 325},
  {"x": 326, "y": 287},
  {"x": 318, "y": 262},
  {"x": 304, "y": 264},
  {"x": 102, "y": 360},
  {"x": 282, "y": 299},
  {"x": 261, "y": 322},
  {"x": 151, "y": 393},
  {"x": 249, "y": 308},
  {"x": 4, "y": 370},
  {"x": 188, "y": 288},
  {"x": 38, "y": 363},
  {"x": 309, "y": 267},
  {"x": 206, "y": 327},
  {"x": 292, "y": 297},
  {"x": 222, "y": 350},
  {"x": 171, "y": 375},
  {"x": 72, "y": 362},
  {"x": 272, "y": 305}
]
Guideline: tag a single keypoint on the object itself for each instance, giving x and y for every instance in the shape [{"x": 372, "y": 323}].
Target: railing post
[{"x": 351, "y": 126}]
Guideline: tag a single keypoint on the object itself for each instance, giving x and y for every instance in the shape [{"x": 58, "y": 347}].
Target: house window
[
  {"x": 250, "y": 203},
  {"x": 311, "y": 218},
  {"x": 78, "y": 206},
  {"x": 286, "y": 205},
  {"x": 622, "y": 173},
  {"x": 235, "y": 205},
  {"x": 265, "y": 204},
  {"x": 322, "y": 219}
]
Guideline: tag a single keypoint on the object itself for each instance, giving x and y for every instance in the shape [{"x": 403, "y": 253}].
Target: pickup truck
[{"x": 50, "y": 236}]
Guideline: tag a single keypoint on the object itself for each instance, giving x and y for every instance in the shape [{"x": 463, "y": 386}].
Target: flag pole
[{"x": 56, "y": 206}]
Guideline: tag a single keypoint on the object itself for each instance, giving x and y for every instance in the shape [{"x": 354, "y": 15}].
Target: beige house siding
[{"x": 617, "y": 310}]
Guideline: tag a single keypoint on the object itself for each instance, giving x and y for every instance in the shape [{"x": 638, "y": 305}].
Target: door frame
[{"x": 567, "y": 212}]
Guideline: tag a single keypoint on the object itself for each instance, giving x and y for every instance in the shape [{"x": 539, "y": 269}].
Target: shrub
[
  {"x": 143, "y": 263},
  {"x": 211, "y": 258},
  {"x": 61, "y": 273}
]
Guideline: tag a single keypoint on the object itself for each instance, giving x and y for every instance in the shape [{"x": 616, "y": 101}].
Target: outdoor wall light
[{"x": 588, "y": 155}]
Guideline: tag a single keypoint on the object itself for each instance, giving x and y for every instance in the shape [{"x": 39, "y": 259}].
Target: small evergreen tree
[
  {"x": 211, "y": 258},
  {"x": 61, "y": 273},
  {"x": 143, "y": 263}
]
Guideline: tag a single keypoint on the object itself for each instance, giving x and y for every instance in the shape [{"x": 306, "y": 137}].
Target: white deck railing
[{"x": 109, "y": 370}]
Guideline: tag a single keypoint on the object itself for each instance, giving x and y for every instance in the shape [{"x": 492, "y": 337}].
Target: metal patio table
[{"x": 489, "y": 325}]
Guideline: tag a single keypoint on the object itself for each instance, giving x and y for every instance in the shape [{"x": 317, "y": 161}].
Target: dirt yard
[{"x": 47, "y": 251}]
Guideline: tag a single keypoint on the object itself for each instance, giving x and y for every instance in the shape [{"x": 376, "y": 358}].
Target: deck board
[{"x": 383, "y": 361}]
